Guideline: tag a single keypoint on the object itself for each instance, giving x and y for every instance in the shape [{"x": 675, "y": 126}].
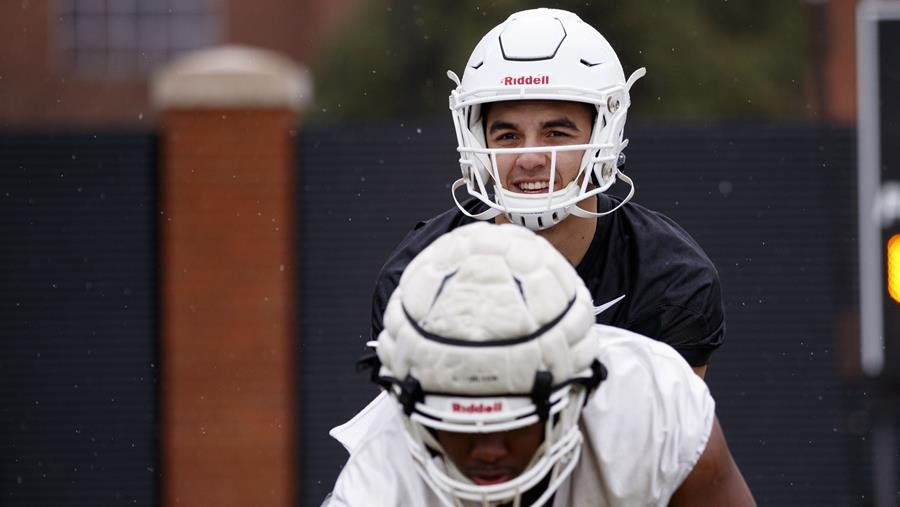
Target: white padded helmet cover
[{"x": 482, "y": 283}]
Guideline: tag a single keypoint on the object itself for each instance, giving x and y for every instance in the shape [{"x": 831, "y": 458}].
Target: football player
[
  {"x": 540, "y": 115},
  {"x": 499, "y": 389}
]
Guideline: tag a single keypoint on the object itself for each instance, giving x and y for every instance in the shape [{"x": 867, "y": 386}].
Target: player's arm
[
  {"x": 389, "y": 275},
  {"x": 385, "y": 284},
  {"x": 691, "y": 320},
  {"x": 715, "y": 480}
]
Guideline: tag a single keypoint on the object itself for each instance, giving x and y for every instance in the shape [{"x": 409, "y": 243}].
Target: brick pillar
[
  {"x": 840, "y": 62},
  {"x": 227, "y": 295}
]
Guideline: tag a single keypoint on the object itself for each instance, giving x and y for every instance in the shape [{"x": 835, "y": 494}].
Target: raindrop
[{"x": 725, "y": 188}]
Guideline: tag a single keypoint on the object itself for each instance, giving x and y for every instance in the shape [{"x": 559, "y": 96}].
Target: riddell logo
[
  {"x": 478, "y": 408},
  {"x": 526, "y": 80}
]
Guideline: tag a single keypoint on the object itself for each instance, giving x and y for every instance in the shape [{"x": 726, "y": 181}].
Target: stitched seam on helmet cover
[{"x": 491, "y": 343}]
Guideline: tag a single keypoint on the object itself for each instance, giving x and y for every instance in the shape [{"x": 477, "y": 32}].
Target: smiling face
[
  {"x": 492, "y": 458},
  {"x": 537, "y": 123}
]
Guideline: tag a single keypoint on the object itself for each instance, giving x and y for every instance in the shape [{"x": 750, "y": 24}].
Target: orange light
[{"x": 893, "y": 267}]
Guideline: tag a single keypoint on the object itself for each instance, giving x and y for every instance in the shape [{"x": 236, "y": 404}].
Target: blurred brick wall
[
  {"x": 227, "y": 308},
  {"x": 840, "y": 62},
  {"x": 36, "y": 90}
]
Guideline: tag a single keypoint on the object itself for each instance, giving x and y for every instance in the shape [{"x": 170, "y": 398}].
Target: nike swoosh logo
[{"x": 605, "y": 306}]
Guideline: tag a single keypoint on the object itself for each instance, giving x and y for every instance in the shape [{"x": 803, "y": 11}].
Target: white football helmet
[
  {"x": 541, "y": 54},
  {"x": 489, "y": 331}
]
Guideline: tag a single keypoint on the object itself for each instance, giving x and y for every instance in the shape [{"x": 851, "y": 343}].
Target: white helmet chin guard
[
  {"x": 542, "y": 54},
  {"x": 489, "y": 331}
]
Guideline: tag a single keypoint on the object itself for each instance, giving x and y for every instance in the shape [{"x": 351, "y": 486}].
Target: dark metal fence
[{"x": 78, "y": 368}]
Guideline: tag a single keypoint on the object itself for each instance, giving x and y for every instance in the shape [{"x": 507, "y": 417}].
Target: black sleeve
[
  {"x": 384, "y": 287},
  {"x": 693, "y": 324},
  {"x": 389, "y": 276},
  {"x": 690, "y": 333},
  {"x": 677, "y": 292},
  {"x": 422, "y": 235}
]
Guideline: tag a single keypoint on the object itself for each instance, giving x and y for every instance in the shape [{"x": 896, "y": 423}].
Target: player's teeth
[{"x": 534, "y": 185}]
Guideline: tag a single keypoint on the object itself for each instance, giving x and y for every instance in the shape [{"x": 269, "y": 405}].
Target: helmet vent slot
[
  {"x": 589, "y": 64},
  {"x": 531, "y": 39}
]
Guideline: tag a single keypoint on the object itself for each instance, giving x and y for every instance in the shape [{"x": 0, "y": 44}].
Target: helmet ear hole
[{"x": 595, "y": 180}]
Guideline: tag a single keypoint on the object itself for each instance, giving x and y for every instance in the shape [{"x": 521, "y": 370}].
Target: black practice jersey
[{"x": 671, "y": 288}]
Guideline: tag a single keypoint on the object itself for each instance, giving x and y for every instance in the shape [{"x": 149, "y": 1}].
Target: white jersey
[{"x": 644, "y": 430}]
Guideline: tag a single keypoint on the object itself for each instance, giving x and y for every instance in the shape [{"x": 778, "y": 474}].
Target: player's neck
[{"x": 572, "y": 237}]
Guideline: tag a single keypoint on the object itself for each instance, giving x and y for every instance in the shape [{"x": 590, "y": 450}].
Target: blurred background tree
[{"x": 705, "y": 59}]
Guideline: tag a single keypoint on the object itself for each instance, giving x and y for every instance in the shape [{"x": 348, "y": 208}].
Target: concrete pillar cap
[{"x": 231, "y": 77}]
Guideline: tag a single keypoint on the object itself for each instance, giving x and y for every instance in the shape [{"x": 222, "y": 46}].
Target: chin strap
[
  {"x": 583, "y": 213},
  {"x": 410, "y": 393},
  {"x": 540, "y": 394},
  {"x": 372, "y": 363},
  {"x": 573, "y": 209},
  {"x": 598, "y": 375},
  {"x": 484, "y": 215}
]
